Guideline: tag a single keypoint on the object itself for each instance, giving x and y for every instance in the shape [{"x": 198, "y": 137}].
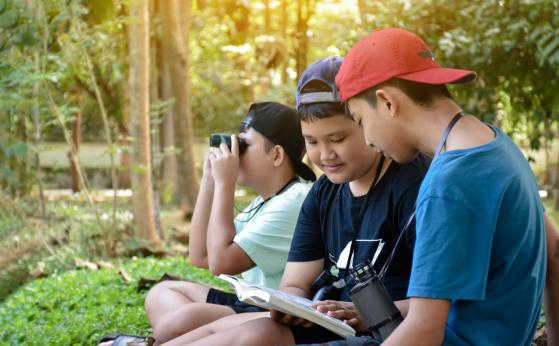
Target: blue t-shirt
[
  {"x": 481, "y": 244},
  {"x": 331, "y": 210}
]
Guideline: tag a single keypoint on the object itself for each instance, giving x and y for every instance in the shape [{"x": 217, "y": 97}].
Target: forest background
[{"x": 106, "y": 107}]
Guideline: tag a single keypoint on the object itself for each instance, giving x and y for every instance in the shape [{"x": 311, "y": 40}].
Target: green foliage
[
  {"x": 509, "y": 43},
  {"x": 77, "y": 307},
  {"x": 72, "y": 232}
]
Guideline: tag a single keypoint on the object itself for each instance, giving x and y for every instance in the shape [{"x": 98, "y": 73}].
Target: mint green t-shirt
[{"x": 266, "y": 236}]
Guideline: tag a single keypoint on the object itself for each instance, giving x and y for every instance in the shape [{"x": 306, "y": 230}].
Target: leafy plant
[{"x": 77, "y": 307}]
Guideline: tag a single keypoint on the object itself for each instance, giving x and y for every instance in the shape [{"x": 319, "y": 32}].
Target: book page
[{"x": 269, "y": 298}]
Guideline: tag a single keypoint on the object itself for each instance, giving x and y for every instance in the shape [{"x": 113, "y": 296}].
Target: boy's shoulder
[
  {"x": 411, "y": 171},
  {"x": 323, "y": 188},
  {"x": 294, "y": 195}
]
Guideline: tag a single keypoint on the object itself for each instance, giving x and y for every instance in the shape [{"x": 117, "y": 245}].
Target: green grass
[{"x": 77, "y": 307}]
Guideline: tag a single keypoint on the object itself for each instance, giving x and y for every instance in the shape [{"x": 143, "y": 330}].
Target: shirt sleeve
[
  {"x": 266, "y": 239},
  {"x": 452, "y": 252},
  {"x": 307, "y": 244}
]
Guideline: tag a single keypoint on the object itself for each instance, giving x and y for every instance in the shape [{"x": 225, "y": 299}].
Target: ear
[
  {"x": 278, "y": 155},
  {"x": 387, "y": 101}
]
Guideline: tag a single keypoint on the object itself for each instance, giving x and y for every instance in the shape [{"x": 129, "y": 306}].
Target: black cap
[{"x": 280, "y": 125}]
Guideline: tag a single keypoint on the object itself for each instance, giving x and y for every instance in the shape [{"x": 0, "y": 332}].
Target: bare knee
[
  {"x": 188, "y": 318},
  {"x": 166, "y": 329},
  {"x": 155, "y": 294},
  {"x": 173, "y": 294}
]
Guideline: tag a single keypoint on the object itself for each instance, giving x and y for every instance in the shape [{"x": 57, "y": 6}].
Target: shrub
[{"x": 78, "y": 306}]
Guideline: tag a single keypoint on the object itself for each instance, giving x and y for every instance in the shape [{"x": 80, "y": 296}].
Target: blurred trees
[{"x": 210, "y": 59}]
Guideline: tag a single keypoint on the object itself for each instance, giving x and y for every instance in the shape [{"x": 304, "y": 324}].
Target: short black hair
[
  {"x": 321, "y": 110},
  {"x": 420, "y": 93}
]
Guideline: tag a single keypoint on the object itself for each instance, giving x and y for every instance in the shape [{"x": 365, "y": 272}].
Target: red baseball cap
[{"x": 388, "y": 53}]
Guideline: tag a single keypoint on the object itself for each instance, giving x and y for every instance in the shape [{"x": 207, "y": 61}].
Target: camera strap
[
  {"x": 356, "y": 224},
  {"x": 440, "y": 146},
  {"x": 254, "y": 210}
]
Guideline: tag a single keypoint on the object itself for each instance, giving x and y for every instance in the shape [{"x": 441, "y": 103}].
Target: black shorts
[
  {"x": 350, "y": 341},
  {"x": 316, "y": 335},
  {"x": 313, "y": 334},
  {"x": 229, "y": 299}
]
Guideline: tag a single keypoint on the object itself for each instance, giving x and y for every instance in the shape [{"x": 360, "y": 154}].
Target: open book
[{"x": 268, "y": 298}]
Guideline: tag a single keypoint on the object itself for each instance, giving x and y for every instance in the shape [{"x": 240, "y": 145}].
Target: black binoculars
[
  {"x": 217, "y": 138},
  {"x": 323, "y": 287},
  {"x": 373, "y": 302}
]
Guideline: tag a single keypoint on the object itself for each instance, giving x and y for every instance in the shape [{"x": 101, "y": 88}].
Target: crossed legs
[
  {"x": 257, "y": 329},
  {"x": 178, "y": 307}
]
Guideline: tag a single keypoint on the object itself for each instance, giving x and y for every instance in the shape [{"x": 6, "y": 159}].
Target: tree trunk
[
  {"x": 139, "y": 111},
  {"x": 284, "y": 19},
  {"x": 37, "y": 138},
  {"x": 170, "y": 185},
  {"x": 176, "y": 55},
  {"x": 76, "y": 140},
  {"x": 155, "y": 58},
  {"x": 304, "y": 12},
  {"x": 21, "y": 162}
]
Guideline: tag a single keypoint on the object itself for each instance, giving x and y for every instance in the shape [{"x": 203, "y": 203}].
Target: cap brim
[{"x": 440, "y": 76}]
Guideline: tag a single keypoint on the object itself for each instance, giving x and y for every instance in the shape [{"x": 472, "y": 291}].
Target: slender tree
[
  {"x": 175, "y": 21},
  {"x": 139, "y": 112},
  {"x": 305, "y": 9}
]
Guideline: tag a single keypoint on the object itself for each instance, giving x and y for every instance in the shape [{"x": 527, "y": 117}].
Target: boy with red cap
[{"x": 479, "y": 261}]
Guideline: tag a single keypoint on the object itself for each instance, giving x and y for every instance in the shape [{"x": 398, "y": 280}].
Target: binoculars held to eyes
[{"x": 217, "y": 138}]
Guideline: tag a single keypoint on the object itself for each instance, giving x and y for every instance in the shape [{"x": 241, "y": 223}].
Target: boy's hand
[
  {"x": 345, "y": 311},
  {"x": 289, "y": 320},
  {"x": 225, "y": 163},
  {"x": 207, "y": 173}
]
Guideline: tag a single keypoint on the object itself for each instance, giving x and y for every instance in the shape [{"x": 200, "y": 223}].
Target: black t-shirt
[{"x": 330, "y": 209}]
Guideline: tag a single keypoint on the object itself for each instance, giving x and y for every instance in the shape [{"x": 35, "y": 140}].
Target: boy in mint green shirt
[{"x": 255, "y": 242}]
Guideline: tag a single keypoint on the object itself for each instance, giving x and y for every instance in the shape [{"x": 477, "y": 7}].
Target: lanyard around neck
[
  {"x": 256, "y": 209},
  {"x": 357, "y": 225},
  {"x": 446, "y": 132},
  {"x": 440, "y": 146}
]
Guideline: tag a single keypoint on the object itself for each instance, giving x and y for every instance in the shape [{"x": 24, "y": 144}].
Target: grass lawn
[{"x": 78, "y": 306}]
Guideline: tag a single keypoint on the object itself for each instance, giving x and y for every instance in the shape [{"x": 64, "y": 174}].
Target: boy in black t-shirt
[{"x": 325, "y": 228}]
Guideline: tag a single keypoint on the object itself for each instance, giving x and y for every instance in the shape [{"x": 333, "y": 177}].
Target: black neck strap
[
  {"x": 294, "y": 179},
  {"x": 256, "y": 208},
  {"x": 357, "y": 225},
  {"x": 440, "y": 146},
  {"x": 446, "y": 132}
]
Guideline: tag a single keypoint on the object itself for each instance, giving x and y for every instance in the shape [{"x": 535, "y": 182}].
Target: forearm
[
  {"x": 298, "y": 277},
  {"x": 551, "y": 293},
  {"x": 424, "y": 324},
  {"x": 403, "y": 306},
  {"x": 221, "y": 230},
  {"x": 414, "y": 333},
  {"x": 296, "y": 291},
  {"x": 551, "y": 305},
  {"x": 198, "y": 251}
]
